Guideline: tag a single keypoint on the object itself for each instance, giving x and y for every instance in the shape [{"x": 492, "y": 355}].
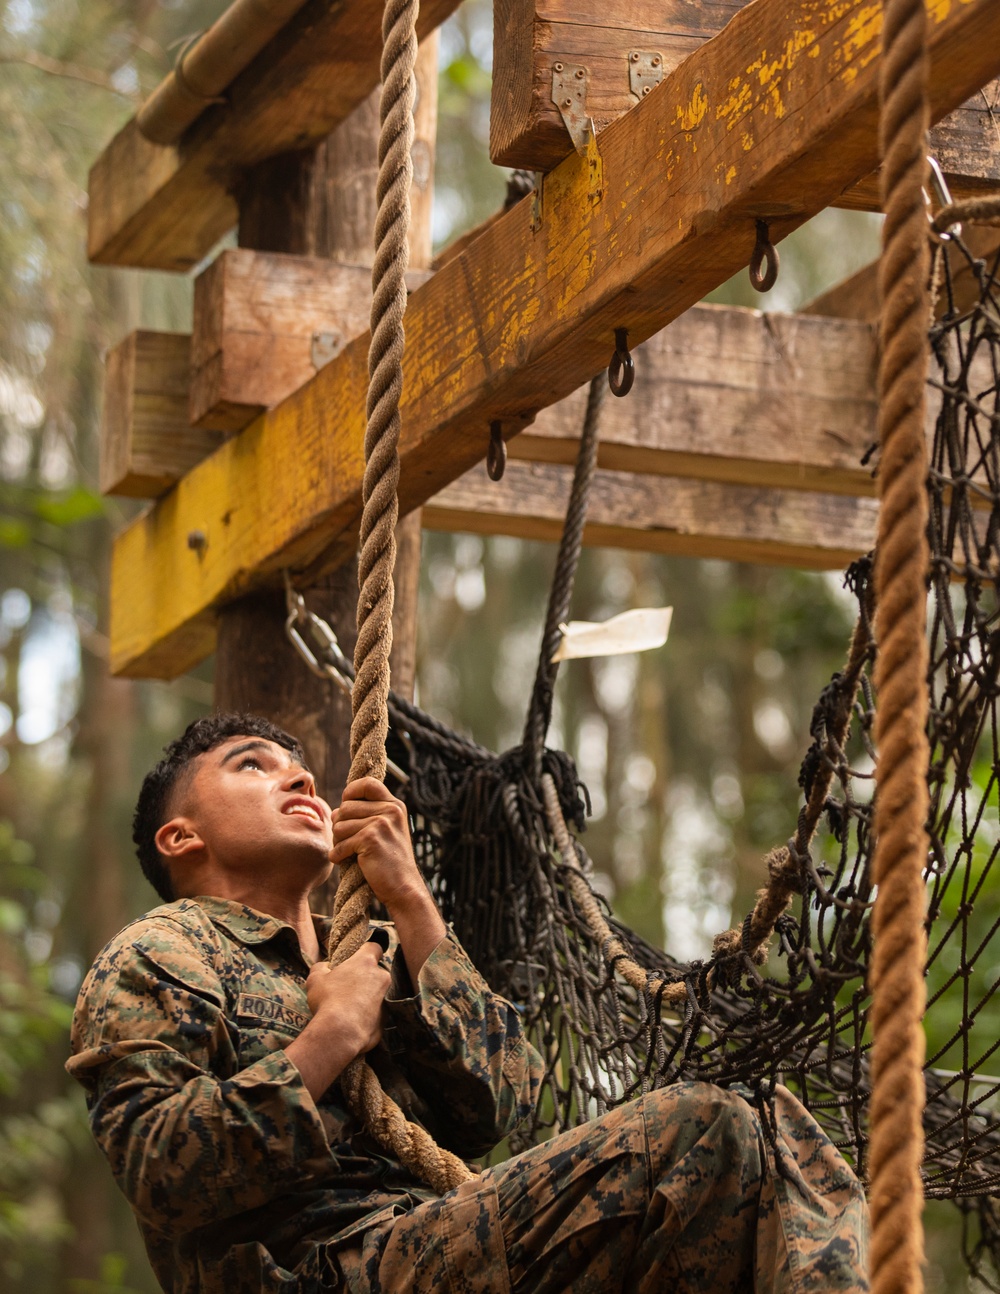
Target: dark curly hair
[{"x": 152, "y": 808}]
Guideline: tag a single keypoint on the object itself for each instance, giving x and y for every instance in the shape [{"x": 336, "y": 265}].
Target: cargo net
[{"x": 791, "y": 1007}]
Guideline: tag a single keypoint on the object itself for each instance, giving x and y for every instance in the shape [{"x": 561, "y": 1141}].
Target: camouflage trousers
[{"x": 677, "y": 1191}]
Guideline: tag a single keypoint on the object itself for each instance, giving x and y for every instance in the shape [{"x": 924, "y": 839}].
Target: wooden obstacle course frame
[{"x": 529, "y": 309}]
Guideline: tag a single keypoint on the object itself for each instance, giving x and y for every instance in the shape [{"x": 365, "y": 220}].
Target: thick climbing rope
[
  {"x": 383, "y": 1118},
  {"x": 901, "y": 567}
]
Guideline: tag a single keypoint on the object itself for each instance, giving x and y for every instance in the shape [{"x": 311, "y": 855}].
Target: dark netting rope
[{"x": 798, "y": 1015}]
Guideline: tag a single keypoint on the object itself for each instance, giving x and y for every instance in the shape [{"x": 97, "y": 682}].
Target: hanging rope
[
  {"x": 561, "y": 591},
  {"x": 414, "y": 1147},
  {"x": 901, "y": 567}
]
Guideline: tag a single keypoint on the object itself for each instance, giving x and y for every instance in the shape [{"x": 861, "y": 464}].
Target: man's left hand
[{"x": 372, "y": 824}]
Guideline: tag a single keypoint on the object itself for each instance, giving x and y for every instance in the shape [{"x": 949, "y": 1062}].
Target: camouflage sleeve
[
  {"x": 462, "y": 1048},
  {"x": 190, "y": 1137}
]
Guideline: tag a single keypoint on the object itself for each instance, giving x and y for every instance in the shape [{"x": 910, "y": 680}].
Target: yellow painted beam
[{"x": 772, "y": 118}]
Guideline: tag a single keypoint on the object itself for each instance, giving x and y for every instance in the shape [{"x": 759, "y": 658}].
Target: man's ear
[{"x": 178, "y": 839}]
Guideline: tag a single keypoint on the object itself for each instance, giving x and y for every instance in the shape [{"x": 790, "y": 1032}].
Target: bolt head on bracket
[
  {"x": 645, "y": 69},
  {"x": 570, "y": 83}
]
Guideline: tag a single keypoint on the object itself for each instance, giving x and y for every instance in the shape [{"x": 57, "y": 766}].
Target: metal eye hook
[
  {"x": 621, "y": 370},
  {"x": 764, "y": 251},
  {"x": 943, "y": 194},
  {"x": 496, "y": 454}
]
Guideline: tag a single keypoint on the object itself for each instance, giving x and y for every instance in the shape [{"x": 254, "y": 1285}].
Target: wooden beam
[
  {"x": 147, "y": 442},
  {"x": 264, "y": 323},
  {"x": 730, "y": 394},
  {"x": 724, "y": 393},
  {"x": 527, "y": 314},
  {"x": 658, "y": 514},
  {"x": 165, "y": 207},
  {"x": 532, "y": 37}
]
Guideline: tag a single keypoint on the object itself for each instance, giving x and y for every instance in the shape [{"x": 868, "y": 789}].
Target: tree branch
[{"x": 69, "y": 71}]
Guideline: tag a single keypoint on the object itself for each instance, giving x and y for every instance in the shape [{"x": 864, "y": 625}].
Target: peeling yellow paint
[
  {"x": 746, "y": 139},
  {"x": 731, "y": 175},
  {"x": 518, "y": 324},
  {"x": 740, "y": 102},
  {"x": 939, "y": 10},
  {"x": 690, "y": 116}
]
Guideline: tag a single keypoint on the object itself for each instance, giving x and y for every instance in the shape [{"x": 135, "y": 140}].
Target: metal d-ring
[
  {"x": 496, "y": 455},
  {"x": 764, "y": 251},
  {"x": 621, "y": 370}
]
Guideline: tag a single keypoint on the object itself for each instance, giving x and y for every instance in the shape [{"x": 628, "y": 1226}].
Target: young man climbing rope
[{"x": 211, "y": 1033}]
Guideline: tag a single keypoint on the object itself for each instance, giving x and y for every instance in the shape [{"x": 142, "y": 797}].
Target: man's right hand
[{"x": 346, "y": 1005}]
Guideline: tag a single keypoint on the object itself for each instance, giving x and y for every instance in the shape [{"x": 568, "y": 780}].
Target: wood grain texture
[
  {"x": 255, "y": 316},
  {"x": 724, "y": 393},
  {"x": 165, "y": 207},
  {"x": 524, "y": 316},
  {"x": 147, "y": 442},
  {"x": 659, "y": 514},
  {"x": 530, "y": 36},
  {"x": 729, "y": 394}
]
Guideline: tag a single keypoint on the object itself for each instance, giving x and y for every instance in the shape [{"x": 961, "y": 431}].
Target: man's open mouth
[{"x": 300, "y": 809}]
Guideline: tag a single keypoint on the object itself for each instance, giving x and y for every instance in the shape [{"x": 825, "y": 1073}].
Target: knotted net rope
[
  {"x": 380, "y": 1114},
  {"x": 901, "y": 564}
]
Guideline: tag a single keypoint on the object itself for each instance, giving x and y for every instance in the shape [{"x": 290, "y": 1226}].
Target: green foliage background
[{"x": 691, "y": 753}]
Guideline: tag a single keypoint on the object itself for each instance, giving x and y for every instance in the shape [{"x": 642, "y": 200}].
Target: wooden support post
[
  {"x": 294, "y": 204},
  {"x": 623, "y": 53}
]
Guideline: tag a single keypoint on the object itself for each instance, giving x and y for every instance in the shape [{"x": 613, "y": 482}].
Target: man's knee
[{"x": 703, "y": 1132}]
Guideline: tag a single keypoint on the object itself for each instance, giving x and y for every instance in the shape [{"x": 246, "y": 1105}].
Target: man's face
[{"x": 253, "y": 806}]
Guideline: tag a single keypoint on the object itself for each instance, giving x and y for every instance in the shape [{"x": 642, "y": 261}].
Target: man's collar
[{"x": 247, "y": 925}]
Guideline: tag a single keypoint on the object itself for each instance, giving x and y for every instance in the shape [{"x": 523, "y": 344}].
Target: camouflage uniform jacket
[{"x": 238, "y": 1178}]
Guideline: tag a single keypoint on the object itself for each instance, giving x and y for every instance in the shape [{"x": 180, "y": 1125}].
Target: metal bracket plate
[
  {"x": 324, "y": 347},
  {"x": 570, "y": 82},
  {"x": 645, "y": 69}
]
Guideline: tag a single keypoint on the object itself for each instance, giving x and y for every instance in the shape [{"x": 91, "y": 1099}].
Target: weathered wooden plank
[
  {"x": 967, "y": 146},
  {"x": 532, "y": 36},
  {"x": 147, "y": 441},
  {"x": 662, "y": 514},
  {"x": 729, "y": 394},
  {"x": 724, "y": 393},
  {"x": 264, "y": 323},
  {"x": 525, "y": 315},
  {"x": 165, "y": 207}
]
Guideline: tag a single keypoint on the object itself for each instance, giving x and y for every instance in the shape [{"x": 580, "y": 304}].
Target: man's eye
[{"x": 249, "y": 761}]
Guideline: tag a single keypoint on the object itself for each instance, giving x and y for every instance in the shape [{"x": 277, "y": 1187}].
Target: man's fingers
[{"x": 366, "y": 788}]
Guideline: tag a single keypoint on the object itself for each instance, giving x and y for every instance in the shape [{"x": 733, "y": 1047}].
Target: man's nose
[{"x": 300, "y": 779}]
